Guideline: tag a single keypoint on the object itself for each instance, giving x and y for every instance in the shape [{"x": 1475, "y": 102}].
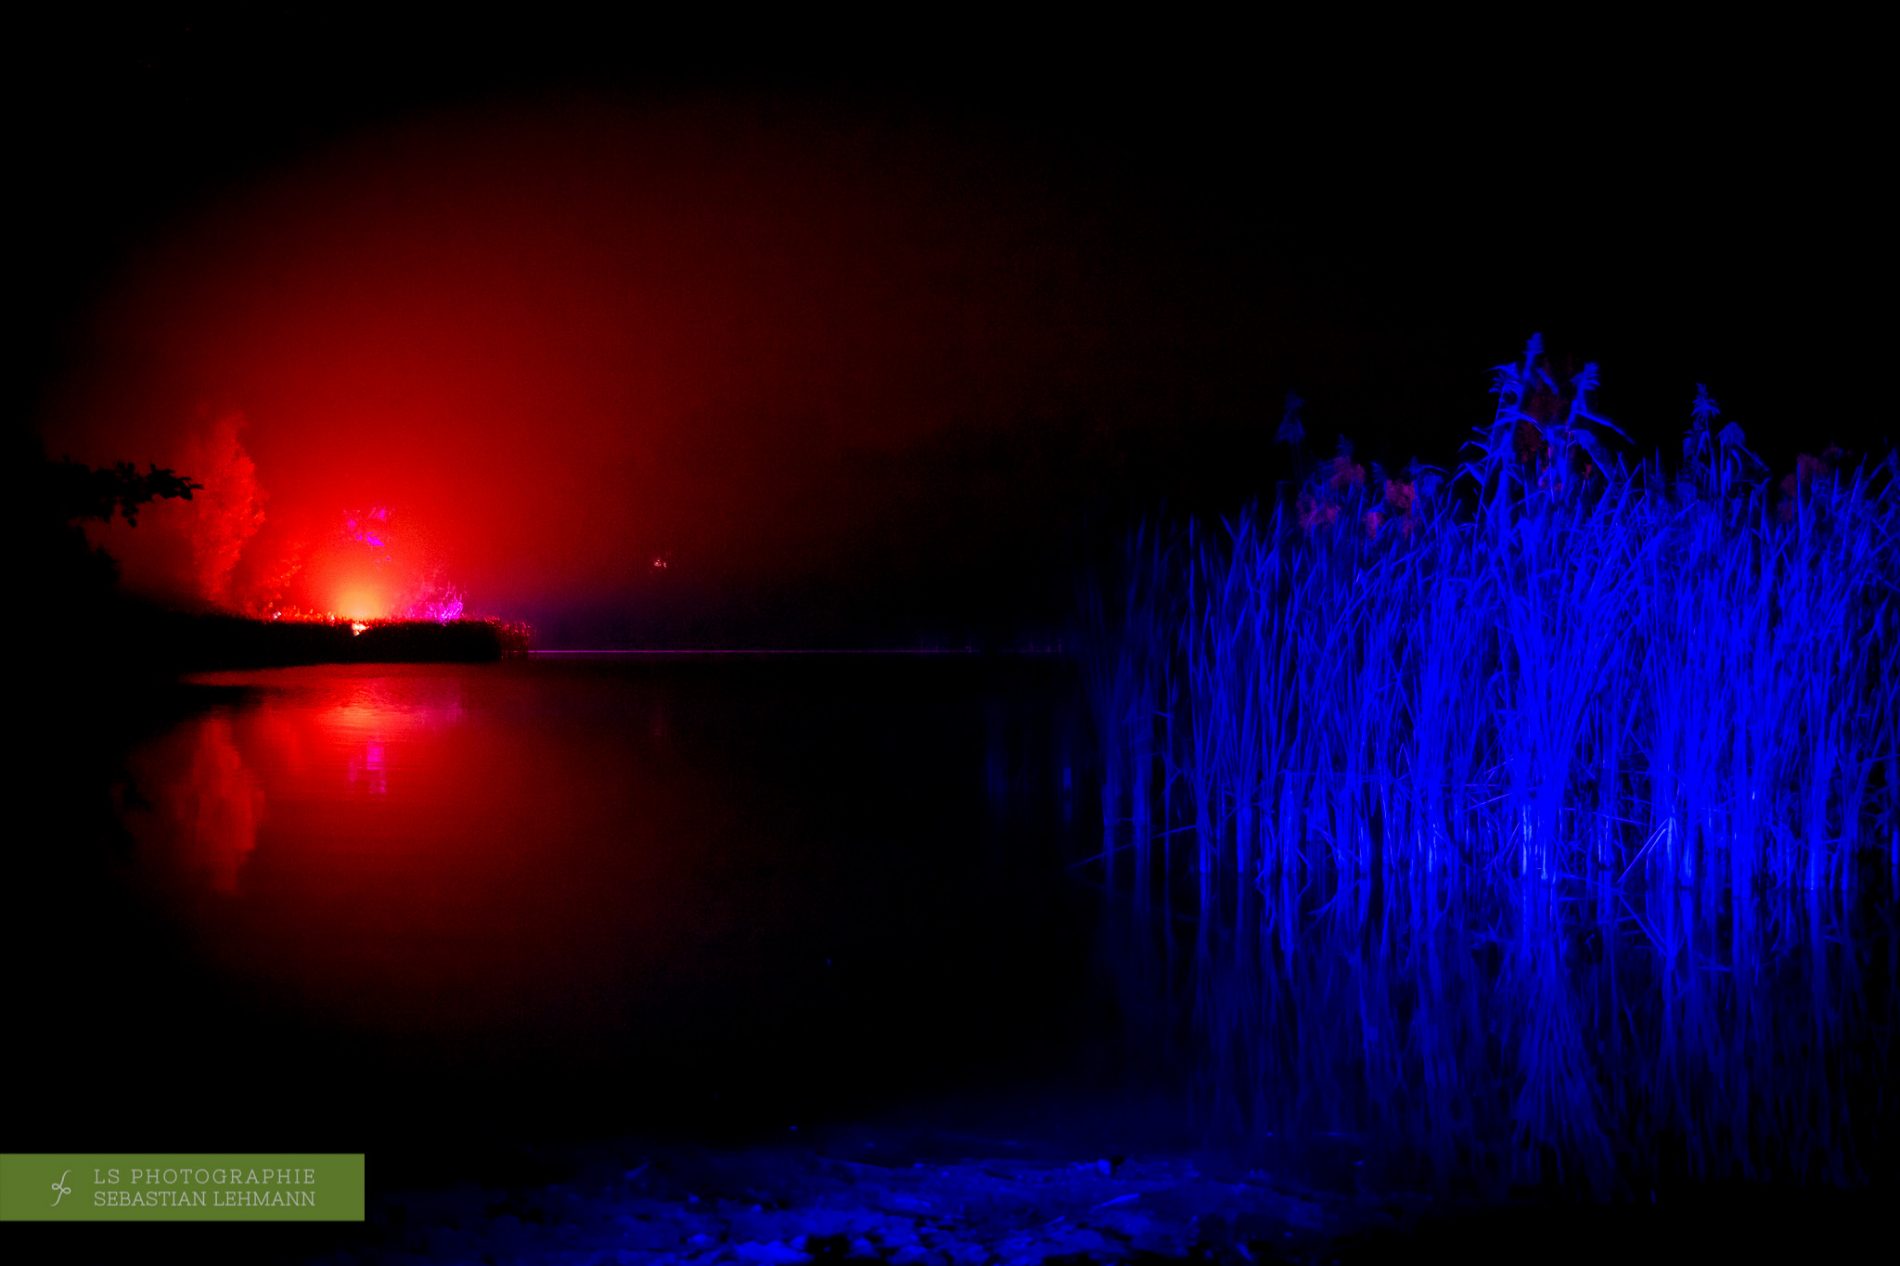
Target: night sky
[{"x": 876, "y": 336}]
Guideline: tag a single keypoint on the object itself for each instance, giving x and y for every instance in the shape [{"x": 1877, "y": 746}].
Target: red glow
[
  {"x": 360, "y": 604},
  {"x": 563, "y": 343}
]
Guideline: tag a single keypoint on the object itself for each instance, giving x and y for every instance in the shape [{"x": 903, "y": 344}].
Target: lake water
[
  {"x": 580, "y": 894},
  {"x": 413, "y": 909}
]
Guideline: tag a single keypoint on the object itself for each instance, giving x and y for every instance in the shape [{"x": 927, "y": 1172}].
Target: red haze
[{"x": 559, "y": 343}]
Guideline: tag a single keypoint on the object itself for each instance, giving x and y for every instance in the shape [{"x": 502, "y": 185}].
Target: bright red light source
[{"x": 360, "y": 604}]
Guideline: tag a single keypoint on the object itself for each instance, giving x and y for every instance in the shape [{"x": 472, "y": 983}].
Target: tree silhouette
[{"x": 78, "y": 491}]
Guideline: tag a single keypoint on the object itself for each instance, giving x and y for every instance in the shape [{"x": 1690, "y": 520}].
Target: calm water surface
[
  {"x": 635, "y": 888},
  {"x": 397, "y": 907}
]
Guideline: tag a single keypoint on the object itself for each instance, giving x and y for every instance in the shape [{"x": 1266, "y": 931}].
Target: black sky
[{"x": 1371, "y": 217}]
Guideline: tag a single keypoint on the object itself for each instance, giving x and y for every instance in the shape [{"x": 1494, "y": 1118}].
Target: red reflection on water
[
  {"x": 403, "y": 859},
  {"x": 374, "y": 726},
  {"x": 197, "y": 803}
]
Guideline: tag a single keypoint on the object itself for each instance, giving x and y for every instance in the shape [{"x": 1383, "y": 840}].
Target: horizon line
[{"x": 790, "y": 650}]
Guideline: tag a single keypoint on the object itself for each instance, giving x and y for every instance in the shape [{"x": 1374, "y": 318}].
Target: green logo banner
[{"x": 179, "y": 1187}]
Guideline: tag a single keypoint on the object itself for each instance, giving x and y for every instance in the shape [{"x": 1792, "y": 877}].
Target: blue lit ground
[
  {"x": 909, "y": 1191},
  {"x": 886, "y": 1195},
  {"x": 942, "y": 1184}
]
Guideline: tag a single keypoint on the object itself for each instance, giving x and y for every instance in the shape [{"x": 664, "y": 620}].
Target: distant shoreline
[
  {"x": 174, "y": 642},
  {"x": 687, "y": 652}
]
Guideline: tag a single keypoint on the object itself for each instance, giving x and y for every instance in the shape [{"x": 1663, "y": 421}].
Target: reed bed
[{"x": 1531, "y": 822}]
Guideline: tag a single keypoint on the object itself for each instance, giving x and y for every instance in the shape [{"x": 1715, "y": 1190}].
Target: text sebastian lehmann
[{"x": 207, "y": 1187}]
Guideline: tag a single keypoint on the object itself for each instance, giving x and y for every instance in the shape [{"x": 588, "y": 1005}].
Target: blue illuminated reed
[{"x": 1535, "y": 823}]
